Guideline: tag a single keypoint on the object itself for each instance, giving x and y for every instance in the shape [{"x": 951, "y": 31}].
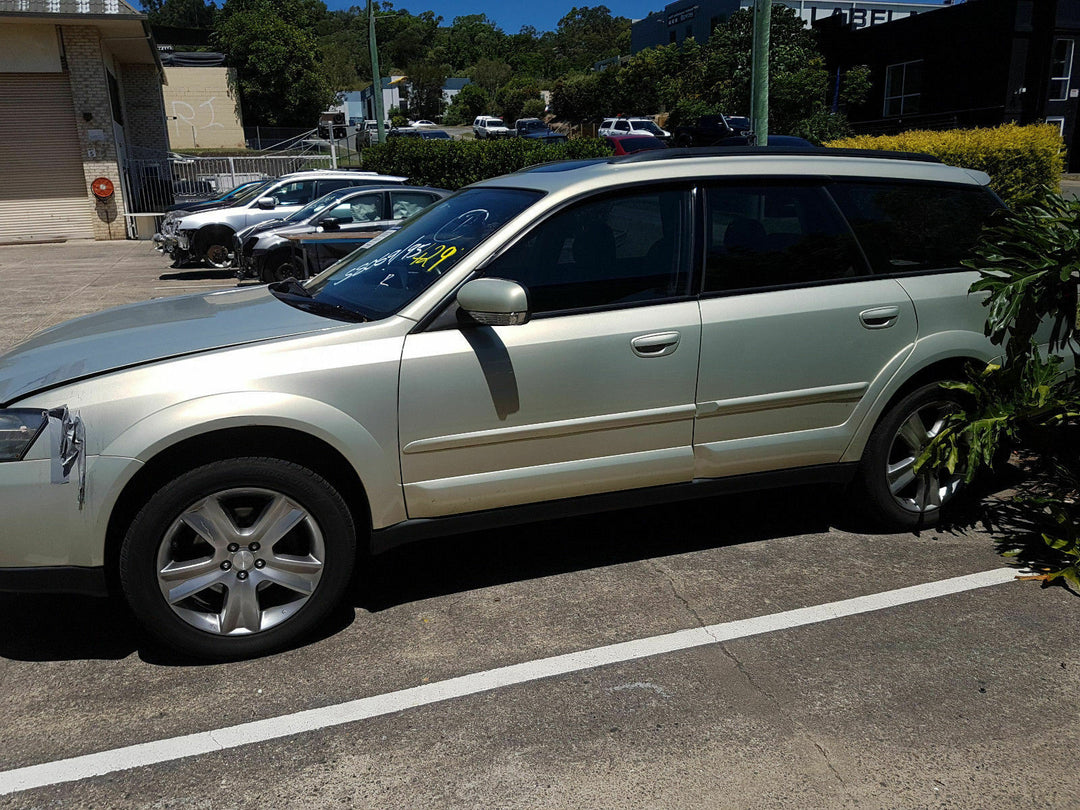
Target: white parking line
[{"x": 152, "y": 753}]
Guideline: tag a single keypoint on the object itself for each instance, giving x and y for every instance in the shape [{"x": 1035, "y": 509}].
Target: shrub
[
  {"x": 453, "y": 164},
  {"x": 1019, "y": 160}
]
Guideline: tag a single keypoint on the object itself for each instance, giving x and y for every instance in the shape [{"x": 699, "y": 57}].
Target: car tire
[
  {"x": 238, "y": 558},
  {"x": 279, "y": 268},
  {"x": 889, "y": 492}
]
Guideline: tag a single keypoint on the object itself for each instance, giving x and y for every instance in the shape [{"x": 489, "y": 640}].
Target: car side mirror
[
  {"x": 494, "y": 302},
  {"x": 330, "y": 224},
  {"x": 266, "y": 202}
]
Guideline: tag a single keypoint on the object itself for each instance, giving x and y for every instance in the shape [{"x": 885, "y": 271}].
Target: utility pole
[
  {"x": 759, "y": 94},
  {"x": 376, "y": 86}
]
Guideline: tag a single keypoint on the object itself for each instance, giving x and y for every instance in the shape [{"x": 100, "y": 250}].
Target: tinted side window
[
  {"x": 326, "y": 186},
  {"x": 299, "y": 192},
  {"x": 773, "y": 235},
  {"x": 608, "y": 251},
  {"x": 911, "y": 227}
]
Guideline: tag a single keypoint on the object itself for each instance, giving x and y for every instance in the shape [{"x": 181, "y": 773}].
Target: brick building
[{"x": 80, "y": 93}]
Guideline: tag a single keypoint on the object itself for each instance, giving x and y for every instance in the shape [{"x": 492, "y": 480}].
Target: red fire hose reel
[{"x": 102, "y": 188}]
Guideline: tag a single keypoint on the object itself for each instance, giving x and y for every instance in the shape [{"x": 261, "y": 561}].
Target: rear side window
[
  {"x": 775, "y": 235},
  {"x": 607, "y": 251},
  {"x": 914, "y": 227},
  {"x": 404, "y": 204},
  {"x": 326, "y": 186}
]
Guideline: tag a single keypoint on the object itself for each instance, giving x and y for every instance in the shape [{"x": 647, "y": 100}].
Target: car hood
[{"x": 146, "y": 332}]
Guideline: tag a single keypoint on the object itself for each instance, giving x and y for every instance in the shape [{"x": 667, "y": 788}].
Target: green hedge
[
  {"x": 1019, "y": 160},
  {"x": 453, "y": 164}
]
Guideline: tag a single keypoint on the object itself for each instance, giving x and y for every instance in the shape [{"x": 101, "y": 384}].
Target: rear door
[{"x": 797, "y": 336}]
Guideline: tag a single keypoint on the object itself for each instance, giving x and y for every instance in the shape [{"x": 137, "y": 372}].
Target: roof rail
[{"x": 760, "y": 151}]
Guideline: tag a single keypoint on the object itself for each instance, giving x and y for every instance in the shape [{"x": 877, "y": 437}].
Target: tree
[
  {"x": 180, "y": 13},
  {"x": 468, "y": 103},
  {"x": 271, "y": 44},
  {"x": 490, "y": 75},
  {"x": 426, "y": 82},
  {"x": 512, "y": 96},
  {"x": 587, "y": 35}
]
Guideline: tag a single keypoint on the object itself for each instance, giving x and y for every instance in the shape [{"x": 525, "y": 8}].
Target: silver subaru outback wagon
[{"x": 652, "y": 326}]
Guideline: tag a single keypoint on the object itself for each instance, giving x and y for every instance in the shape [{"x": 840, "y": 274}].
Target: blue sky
[{"x": 544, "y": 15}]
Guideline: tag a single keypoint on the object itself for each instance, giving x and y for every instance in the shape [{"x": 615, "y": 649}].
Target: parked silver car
[
  {"x": 568, "y": 338},
  {"x": 208, "y": 235},
  {"x": 344, "y": 218}
]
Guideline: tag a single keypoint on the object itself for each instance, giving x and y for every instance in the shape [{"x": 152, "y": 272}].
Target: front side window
[
  {"x": 903, "y": 88},
  {"x": 1061, "y": 70},
  {"x": 775, "y": 235},
  {"x": 620, "y": 249},
  {"x": 298, "y": 192},
  {"x": 914, "y": 227},
  {"x": 389, "y": 272}
]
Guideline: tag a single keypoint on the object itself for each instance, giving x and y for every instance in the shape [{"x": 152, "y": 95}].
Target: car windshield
[
  {"x": 646, "y": 126},
  {"x": 495, "y": 122},
  {"x": 321, "y": 204},
  {"x": 249, "y": 194},
  {"x": 389, "y": 272}
]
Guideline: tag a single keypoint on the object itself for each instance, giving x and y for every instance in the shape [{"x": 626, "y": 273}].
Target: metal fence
[{"x": 155, "y": 183}]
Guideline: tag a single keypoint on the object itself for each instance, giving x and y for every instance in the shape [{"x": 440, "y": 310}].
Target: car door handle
[
  {"x": 656, "y": 345},
  {"x": 880, "y": 317}
]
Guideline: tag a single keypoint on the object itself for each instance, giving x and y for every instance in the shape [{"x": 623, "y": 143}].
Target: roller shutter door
[{"x": 43, "y": 192}]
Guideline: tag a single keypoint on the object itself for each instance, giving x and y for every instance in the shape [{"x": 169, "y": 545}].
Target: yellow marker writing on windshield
[{"x": 440, "y": 253}]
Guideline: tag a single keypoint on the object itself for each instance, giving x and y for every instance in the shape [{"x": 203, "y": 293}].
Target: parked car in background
[
  {"x": 423, "y": 124},
  {"x": 760, "y": 318},
  {"x": 346, "y": 218},
  {"x": 222, "y": 201},
  {"x": 706, "y": 131},
  {"x": 487, "y": 126},
  {"x": 632, "y": 126},
  {"x": 628, "y": 144},
  {"x": 208, "y": 235},
  {"x": 774, "y": 140},
  {"x": 424, "y": 134},
  {"x": 369, "y": 133},
  {"x": 537, "y": 130}
]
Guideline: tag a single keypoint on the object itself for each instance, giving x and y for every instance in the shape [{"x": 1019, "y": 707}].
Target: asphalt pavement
[{"x": 478, "y": 671}]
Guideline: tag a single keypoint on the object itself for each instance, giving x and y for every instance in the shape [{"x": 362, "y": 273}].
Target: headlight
[{"x": 19, "y": 427}]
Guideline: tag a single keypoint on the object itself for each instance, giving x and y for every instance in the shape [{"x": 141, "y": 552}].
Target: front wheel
[
  {"x": 892, "y": 493},
  {"x": 238, "y": 558}
]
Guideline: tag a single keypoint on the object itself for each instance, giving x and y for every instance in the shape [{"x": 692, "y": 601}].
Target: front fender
[{"x": 375, "y": 464}]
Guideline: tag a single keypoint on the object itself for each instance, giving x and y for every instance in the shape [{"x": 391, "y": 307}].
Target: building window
[
  {"x": 1061, "y": 69},
  {"x": 672, "y": 36},
  {"x": 1059, "y": 122},
  {"x": 903, "y": 87}
]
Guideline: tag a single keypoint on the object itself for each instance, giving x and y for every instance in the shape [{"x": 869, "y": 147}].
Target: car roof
[
  {"x": 571, "y": 177},
  {"x": 332, "y": 174}
]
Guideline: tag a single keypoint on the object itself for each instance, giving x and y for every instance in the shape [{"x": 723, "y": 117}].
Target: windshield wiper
[
  {"x": 292, "y": 292},
  {"x": 290, "y": 286}
]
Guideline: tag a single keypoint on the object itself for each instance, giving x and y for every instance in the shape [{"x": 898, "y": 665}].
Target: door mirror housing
[
  {"x": 266, "y": 203},
  {"x": 494, "y": 302},
  {"x": 330, "y": 224}
]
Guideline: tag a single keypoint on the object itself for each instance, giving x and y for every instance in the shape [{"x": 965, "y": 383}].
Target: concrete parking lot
[{"x": 478, "y": 671}]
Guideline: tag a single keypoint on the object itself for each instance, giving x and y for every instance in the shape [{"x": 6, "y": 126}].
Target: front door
[{"x": 595, "y": 393}]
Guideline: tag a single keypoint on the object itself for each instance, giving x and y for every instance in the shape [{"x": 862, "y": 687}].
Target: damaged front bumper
[{"x": 51, "y": 518}]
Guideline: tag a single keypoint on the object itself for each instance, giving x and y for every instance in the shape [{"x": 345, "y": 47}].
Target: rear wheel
[
  {"x": 893, "y": 494},
  {"x": 238, "y": 558}
]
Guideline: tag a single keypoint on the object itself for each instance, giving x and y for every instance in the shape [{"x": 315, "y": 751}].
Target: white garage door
[{"x": 43, "y": 192}]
